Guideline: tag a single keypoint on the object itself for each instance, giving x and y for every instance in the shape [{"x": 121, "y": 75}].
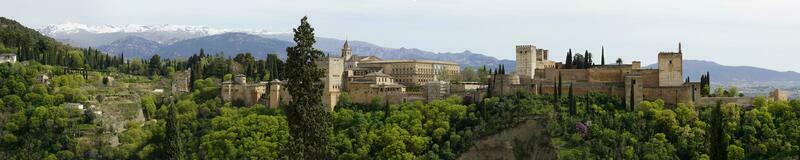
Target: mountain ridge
[
  {"x": 184, "y": 44},
  {"x": 733, "y": 74}
]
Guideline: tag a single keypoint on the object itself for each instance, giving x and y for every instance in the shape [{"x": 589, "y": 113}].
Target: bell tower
[{"x": 347, "y": 53}]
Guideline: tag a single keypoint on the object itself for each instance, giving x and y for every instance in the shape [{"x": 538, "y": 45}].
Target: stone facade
[
  {"x": 239, "y": 91},
  {"x": 463, "y": 87},
  {"x": 8, "y": 58},
  {"x": 278, "y": 94},
  {"x": 526, "y": 61},
  {"x": 670, "y": 68},
  {"x": 334, "y": 68},
  {"x": 435, "y": 90},
  {"x": 376, "y": 84},
  {"x": 412, "y": 72}
]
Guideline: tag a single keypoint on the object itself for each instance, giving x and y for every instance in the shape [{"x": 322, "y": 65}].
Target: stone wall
[
  {"x": 649, "y": 77},
  {"x": 712, "y": 101},
  {"x": 601, "y": 75},
  {"x": 670, "y": 95}
]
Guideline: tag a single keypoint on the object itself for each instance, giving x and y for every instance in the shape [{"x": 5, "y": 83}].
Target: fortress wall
[
  {"x": 540, "y": 74},
  {"x": 567, "y": 75},
  {"x": 601, "y": 75},
  {"x": 583, "y": 88},
  {"x": 670, "y": 95},
  {"x": 712, "y": 101},
  {"x": 649, "y": 77}
]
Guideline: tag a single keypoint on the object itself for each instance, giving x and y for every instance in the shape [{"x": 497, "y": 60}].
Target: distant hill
[
  {"x": 228, "y": 43},
  {"x": 142, "y": 41},
  {"x": 182, "y": 41},
  {"x": 732, "y": 74}
]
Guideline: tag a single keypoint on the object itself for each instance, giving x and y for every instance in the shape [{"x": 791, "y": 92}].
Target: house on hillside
[{"x": 8, "y": 57}]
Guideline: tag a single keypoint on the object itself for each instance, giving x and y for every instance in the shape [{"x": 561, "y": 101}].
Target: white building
[{"x": 8, "y": 57}]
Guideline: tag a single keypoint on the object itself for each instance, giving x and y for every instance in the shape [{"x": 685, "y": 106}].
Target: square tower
[
  {"x": 526, "y": 61},
  {"x": 334, "y": 68},
  {"x": 670, "y": 69}
]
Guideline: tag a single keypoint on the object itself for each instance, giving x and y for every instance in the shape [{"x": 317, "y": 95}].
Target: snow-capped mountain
[
  {"x": 143, "y": 41},
  {"x": 71, "y": 28},
  {"x": 84, "y": 35}
]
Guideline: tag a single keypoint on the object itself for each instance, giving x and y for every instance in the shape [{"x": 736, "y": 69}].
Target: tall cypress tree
[
  {"x": 572, "y": 109},
  {"x": 555, "y": 92},
  {"x": 588, "y": 60},
  {"x": 309, "y": 123},
  {"x": 569, "y": 59},
  {"x": 603, "y": 56},
  {"x": 172, "y": 148},
  {"x": 558, "y": 92}
]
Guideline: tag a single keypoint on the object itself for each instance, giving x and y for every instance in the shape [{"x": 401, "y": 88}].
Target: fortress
[
  {"x": 630, "y": 82},
  {"x": 363, "y": 77}
]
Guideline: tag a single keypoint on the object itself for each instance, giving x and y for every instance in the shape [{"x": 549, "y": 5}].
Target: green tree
[
  {"x": 658, "y": 148},
  {"x": 735, "y": 152},
  {"x": 469, "y": 75},
  {"x": 309, "y": 123},
  {"x": 569, "y": 63},
  {"x": 172, "y": 146},
  {"x": 155, "y": 65}
]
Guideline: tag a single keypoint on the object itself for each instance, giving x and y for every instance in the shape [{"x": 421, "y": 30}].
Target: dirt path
[{"x": 526, "y": 141}]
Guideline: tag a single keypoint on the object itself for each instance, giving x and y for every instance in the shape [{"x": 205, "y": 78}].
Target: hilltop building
[
  {"x": 43, "y": 79},
  {"x": 363, "y": 77},
  {"x": 8, "y": 58},
  {"x": 437, "y": 89},
  {"x": 778, "y": 95},
  {"x": 627, "y": 81},
  {"x": 376, "y": 84},
  {"x": 239, "y": 91},
  {"x": 366, "y": 77},
  {"x": 334, "y": 68}
]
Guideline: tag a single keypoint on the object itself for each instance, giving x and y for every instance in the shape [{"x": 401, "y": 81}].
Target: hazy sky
[{"x": 763, "y": 33}]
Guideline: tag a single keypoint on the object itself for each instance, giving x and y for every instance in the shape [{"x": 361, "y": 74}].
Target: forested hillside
[{"x": 82, "y": 112}]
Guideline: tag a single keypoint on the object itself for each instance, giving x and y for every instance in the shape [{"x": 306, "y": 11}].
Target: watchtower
[
  {"x": 670, "y": 68},
  {"x": 526, "y": 61}
]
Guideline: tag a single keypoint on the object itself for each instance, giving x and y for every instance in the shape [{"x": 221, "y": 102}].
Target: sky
[{"x": 762, "y": 33}]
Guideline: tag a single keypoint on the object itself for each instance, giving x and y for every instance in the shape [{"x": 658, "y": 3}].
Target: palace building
[{"x": 363, "y": 77}]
